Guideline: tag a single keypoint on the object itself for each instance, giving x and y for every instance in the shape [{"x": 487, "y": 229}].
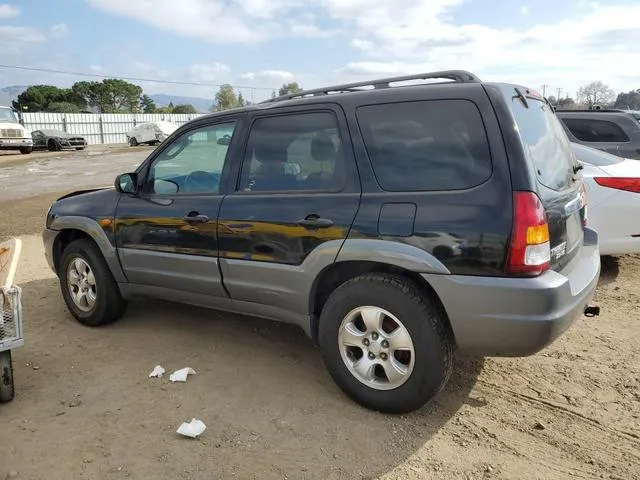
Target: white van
[{"x": 150, "y": 133}]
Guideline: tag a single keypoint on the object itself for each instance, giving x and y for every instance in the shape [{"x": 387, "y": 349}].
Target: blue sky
[{"x": 264, "y": 43}]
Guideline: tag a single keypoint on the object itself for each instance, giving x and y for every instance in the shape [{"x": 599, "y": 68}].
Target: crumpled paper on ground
[
  {"x": 158, "y": 372},
  {"x": 181, "y": 375},
  {"x": 192, "y": 429}
]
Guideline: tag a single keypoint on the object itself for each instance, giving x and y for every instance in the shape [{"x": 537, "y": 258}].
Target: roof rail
[{"x": 458, "y": 76}]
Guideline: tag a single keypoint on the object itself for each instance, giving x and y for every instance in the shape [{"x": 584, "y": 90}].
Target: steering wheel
[{"x": 200, "y": 182}]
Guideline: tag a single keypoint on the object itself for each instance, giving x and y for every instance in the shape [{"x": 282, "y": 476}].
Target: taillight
[
  {"x": 530, "y": 250},
  {"x": 619, "y": 183}
]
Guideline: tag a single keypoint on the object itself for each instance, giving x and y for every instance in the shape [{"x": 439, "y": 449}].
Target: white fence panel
[{"x": 99, "y": 128}]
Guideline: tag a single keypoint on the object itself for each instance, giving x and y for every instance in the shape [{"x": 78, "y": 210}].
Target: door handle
[
  {"x": 195, "y": 217},
  {"x": 314, "y": 221}
]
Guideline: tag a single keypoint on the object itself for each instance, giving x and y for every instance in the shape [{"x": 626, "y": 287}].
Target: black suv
[{"x": 391, "y": 223}]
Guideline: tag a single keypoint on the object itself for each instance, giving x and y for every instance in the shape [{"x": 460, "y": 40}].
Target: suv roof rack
[{"x": 458, "y": 76}]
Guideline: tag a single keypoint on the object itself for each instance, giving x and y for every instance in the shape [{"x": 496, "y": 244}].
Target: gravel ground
[{"x": 86, "y": 409}]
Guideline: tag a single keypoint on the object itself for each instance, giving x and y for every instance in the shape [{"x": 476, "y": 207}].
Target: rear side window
[
  {"x": 545, "y": 142},
  {"x": 426, "y": 146},
  {"x": 587, "y": 130}
]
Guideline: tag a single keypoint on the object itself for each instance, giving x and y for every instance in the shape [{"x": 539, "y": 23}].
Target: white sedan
[{"x": 613, "y": 195}]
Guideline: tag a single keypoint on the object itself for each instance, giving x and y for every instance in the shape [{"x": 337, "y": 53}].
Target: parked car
[
  {"x": 613, "y": 131},
  {"x": 56, "y": 140},
  {"x": 151, "y": 133},
  {"x": 13, "y": 136},
  {"x": 613, "y": 189},
  {"x": 345, "y": 247}
]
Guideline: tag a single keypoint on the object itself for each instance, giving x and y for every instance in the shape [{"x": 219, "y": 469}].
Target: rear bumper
[{"x": 518, "y": 317}]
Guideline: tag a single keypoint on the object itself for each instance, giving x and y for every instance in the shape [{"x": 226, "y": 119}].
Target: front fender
[{"x": 90, "y": 227}]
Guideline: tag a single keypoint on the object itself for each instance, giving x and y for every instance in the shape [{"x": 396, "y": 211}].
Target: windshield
[{"x": 7, "y": 115}]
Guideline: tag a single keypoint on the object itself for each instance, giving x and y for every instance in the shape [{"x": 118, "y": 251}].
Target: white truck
[{"x": 13, "y": 135}]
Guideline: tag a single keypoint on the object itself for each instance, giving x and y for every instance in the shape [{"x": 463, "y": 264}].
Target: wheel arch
[
  {"x": 74, "y": 228},
  {"x": 341, "y": 272}
]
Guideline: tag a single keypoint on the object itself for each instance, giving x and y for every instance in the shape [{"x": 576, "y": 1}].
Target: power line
[{"x": 133, "y": 79}]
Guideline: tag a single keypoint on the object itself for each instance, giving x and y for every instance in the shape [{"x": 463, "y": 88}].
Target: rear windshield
[{"x": 545, "y": 141}]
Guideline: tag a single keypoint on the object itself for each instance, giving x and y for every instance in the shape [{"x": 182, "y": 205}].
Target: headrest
[
  {"x": 269, "y": 153},
  {"x": 322, "y": 148}
]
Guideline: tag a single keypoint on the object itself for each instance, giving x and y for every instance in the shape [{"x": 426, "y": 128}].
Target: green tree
[
  {"x": 63, "y": 107},
  {"x": 241, "y": 101},
  {"x": 567, "y": 103},
  {"x": 225, "y": 99},
  {"x": 596, "y": 93},
  {"x": 289, "y": 88},
  {"x": 629, "y": 100},
  {"x": 274, "y": 94},
  {"x": 147, "y": 104},
  {"x": 185, "y": 108},
  {"x": 38, "y": 98},
  {"x": 111, "y": 95}
]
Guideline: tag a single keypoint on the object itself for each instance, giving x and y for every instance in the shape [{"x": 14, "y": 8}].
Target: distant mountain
[
  {"x": 10, "y": 93},
  {"x": 202, "y": 104}
]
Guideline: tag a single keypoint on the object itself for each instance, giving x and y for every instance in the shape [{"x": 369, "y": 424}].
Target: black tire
[
  {"x": 423, "y": 318},
  {"x": 133, "y": 142},
  {"x": 79, "y": 148},
  {"x": 109, "y": 305},
  {"x": 53, "y": 145},
  {"x": 26, "y": 150},
  {"x": 7, "y": 390}
]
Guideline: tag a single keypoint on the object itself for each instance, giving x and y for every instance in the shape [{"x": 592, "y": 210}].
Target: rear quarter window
[
  {"x": 426, "y": 145},
  {"x": 587, "y": 130}
]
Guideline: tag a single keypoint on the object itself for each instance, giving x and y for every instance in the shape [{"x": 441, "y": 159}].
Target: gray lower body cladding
[{"x": 517, "y": 317}]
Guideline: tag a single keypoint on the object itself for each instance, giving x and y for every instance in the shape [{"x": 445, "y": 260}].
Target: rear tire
[
  {"x": 133, "y": 142},
  {"x": 26, "y": 150},
  {"x": 88, "y": 287},
  {"x": 7, "y": 390},
  {"x": 427, "y": 363}
]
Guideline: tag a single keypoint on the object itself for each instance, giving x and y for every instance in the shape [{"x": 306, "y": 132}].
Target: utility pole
[
  {"x": 559, "y": 92},
  {"x": 544, "y": 90}
]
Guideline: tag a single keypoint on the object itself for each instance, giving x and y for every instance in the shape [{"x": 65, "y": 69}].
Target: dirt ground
[{"x": 86, "y": 409}]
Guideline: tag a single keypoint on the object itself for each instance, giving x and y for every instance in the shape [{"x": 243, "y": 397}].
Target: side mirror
[{"x": 127, "y": 183}]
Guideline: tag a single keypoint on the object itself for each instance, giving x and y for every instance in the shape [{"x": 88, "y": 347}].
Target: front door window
[{"x": 192, "y": 164}]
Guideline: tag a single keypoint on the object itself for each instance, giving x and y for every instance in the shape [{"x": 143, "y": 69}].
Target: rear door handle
[
  {"x": 314, "y": 221},
  {"x": 195, "y": 217}
]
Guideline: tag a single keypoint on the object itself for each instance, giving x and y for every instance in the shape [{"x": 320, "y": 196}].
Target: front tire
[
  {"x": 54, "y": 145},
  {"x": 88, "y": 287},
  {"x": 7, "y": 390},
  {"x": 26, "y": 150},
  {"x": 133, "y": 142},
  {"x": 386, "y": 342}
]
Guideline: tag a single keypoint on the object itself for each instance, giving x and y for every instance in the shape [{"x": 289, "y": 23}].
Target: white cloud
[
  {"x": 269, "y": 75},
  {"x": 598, "y": 42},
  {"x": 8, "y": 11},
  {"x": 524, "y": 10},
  {"x": 206, "y": 72},
  {"x": 59, "y": 30}
]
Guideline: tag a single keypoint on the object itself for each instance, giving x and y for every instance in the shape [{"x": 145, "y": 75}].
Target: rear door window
[
  {"x": 587, "y": 130},
  {"x": 427, "y": 145},
  {"x": 545, "y": 142}
]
